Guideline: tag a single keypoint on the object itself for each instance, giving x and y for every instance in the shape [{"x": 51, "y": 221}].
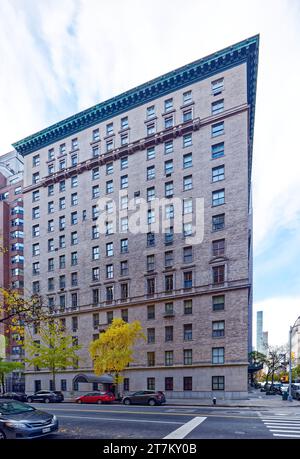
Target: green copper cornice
[{"x": 245, "y": 51}]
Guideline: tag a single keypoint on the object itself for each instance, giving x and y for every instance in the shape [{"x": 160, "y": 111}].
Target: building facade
[
  {"x": 12, "y": 254},
  {"x": 175, "y": 153},
  {"x": 296, "y": 343}
]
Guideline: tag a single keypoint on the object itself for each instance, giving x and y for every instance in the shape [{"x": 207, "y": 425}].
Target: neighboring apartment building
[
  {"x": 12, "y": 252},
  {"x": 186, "y": 135}
]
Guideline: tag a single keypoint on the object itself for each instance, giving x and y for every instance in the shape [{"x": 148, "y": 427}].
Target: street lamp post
[{"x": 290, "y": 398}]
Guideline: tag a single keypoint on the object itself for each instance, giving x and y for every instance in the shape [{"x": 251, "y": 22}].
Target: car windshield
[{"x": 14, "y": 407}]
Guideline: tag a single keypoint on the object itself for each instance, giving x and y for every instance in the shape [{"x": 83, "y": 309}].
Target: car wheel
[
  {"x": 151, "y": 402},
  {"x": 47, "y": 400},
  {"x": 298, "y": 397},
  {"x": 99, "y": 402},
  {"x": 79, "y": 401},
  {"x": 29, "y": 400},
  {"x": 2, "y": 435},
  {"x": 127, "y": 401}
]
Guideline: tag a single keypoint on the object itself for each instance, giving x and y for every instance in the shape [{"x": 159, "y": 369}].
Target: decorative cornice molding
[{"x": 245, "y": 51}]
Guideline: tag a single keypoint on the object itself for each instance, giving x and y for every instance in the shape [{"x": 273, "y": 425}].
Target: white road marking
[
  {"x": 117, "y": 419},
  {"x": 285, "y": 423},
  {"x": 184, "y": 430},
  {"x": 279, "y": 430},
  {"x": 290, "y": 435}
]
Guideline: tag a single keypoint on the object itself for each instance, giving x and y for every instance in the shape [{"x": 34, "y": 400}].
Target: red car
[{"x": 96, "y": 397}]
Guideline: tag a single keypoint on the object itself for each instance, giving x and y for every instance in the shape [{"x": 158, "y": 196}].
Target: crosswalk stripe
[
  {"x": 280, "y": 426},
  {"x": 282, "y": 435},
  {"x": 184, "y": 430},
  {"x": 277, "y": 430}
]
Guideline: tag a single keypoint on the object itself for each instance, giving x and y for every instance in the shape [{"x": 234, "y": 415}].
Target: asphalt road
[{"x": 170, "y": 422}]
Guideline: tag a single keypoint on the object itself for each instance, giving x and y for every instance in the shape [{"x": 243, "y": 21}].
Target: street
[{"x": 171, "y": 422}]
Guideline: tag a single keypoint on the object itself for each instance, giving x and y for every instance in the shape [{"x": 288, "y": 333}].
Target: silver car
[{"x": 20, "y": 420}]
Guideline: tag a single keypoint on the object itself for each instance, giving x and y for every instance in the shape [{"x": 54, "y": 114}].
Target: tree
[
  {"x": 112, "y": 351},
  {"x": 274, "y": 362},
  {"x": 6, "y": 368},
  {"x": 54, "y": 351}
]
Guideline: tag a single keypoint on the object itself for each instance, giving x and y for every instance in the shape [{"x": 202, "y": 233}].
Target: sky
[{"x": 59, "y": 57}]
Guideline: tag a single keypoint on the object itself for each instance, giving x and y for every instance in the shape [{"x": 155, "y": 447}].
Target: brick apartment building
[
  {"x": 185, "y": 136},
  {"x": 12, "y": 253}
]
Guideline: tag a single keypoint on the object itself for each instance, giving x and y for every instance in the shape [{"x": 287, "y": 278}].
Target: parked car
[
  {"x": 296, "y": 391},
  {"x": 145, "y": 397},
  {"x": 15, "y": 396},
  {"x": 96, "y": 397},
  {"x": 284, "y": 388},
  {"x": 46, "y": 396},
  {"x": 19, "y": 420}
]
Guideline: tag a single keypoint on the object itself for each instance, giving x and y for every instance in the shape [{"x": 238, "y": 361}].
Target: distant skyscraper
[
  {"x": 265, "y": 342},
  {"x": 259, "y": 331}
]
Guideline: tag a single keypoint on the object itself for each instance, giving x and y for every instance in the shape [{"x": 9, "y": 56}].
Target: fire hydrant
[{"x": 214, "y": 400}]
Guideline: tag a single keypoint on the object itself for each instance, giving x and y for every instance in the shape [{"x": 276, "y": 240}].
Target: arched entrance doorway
[{"x": 83, "y": 382}]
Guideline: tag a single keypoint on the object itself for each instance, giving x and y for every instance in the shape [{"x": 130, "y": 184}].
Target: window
[
  {"x": 187, "y": 183},
  {"x": 109, "y": 129},
  {"x": 35, "y": 160},
  {"x": 169, "y": 122},
  {"x": 217, "y": 129},
  {"x": 187, "y": 254},
  {"x": 35, "y": 177},
  {"x": 95, "y": 253},
  {"x": 109, "y": 317},
  {"x": 188, "y": 279},
  {"x": 96, "y": 135},
  {"x": 150, "y": 172},
  {"x": 150, "y": 216},
  {"x": 62, "y": 222},
  {"x": 74, "y": 199},
  {"x": 151, "y": 129},
  {"x": 62, "y": 302},
  {"x": 74, "y": 143},
  {"x": 151, "y": 286},
  {"x": 150, "y": 111},
  {"x": 62, "y": 242},
  {"x": 96, "y": 320},
  {"x": 74, "y": 238},
  {"x": 50, "y": 245},
  {"x": 217, "y": 86},
  {"x": 62, "y": 185},
  {"x": 169, "y": 167},
  {"x": 124, "y": 225},
  {"x": 188, "y": 332},
  {"x": 150, "y": 194},
  {"x": 74, "y": 258},
  {"x": 124, "y": 139},
  {"x": 124, "y": 122},
  {"x": 187, "y": 229},
  {"x": 50, "y": 207},
  {"x": 169, "y": 211},
  {"x": 218, "y": 329},
  {"x": 51, "y": 264},
  {"x": 74, "y": 279},
  {"x": 123, "y": 203},
  {"x": 124, "y": 291},
  {"x": 188, "y": 307},
  {"x": 217, "y": 107},
  {"x": 169, "y": 309},
  {"x": 50, "y": 169},
  {"x": 95, "y": 151},
  {"x": 62, "y": 281},
  {"x": 169, "y": 259},
  {"x": 124, "y": 268},
  {"x": 187, "y": 161},
  {"x": 124, "y": 182},
  {"x": 218, "y": 173},
  {"x": 218, "y": 248},
  {"x": 36, "y": 268},
  {"x": 124, "y": 162},
  {"x": 74, "y": 300},
  {"x": 151, "y": 359},
  {"x": 62, "y": 164},
  {"x": 168, "y": 383},
  {"x": 35, "y": 287},
  {"x": 109, "y": 186},
  {"x": 95, "y": 274},
  {"x": 187, "y": 357},
  {"x": 187, "y": 383},
  {"x": 187, "y": 140},
  {"x": 150, "y": 263},
  {"x": 187, "y": 206},
  {"x": 95, "y": 173},
  {"x": 187, "y": 97},
  {"x": 168, "y": 105},
  {"x": 218, "y": 355},
  {"x": 168, "y": 333},
  {"x": 150, "y": 335},
  {"x": 151, "y": 383},
  {"x": 124, "y": 245},
  {"x": 95, "y": 294},
  {"x": 150, "y": 239},
  {"x": 218, "y": 383},
  {"x": 151, "y": 312},
  {"x": 50, "y": 190},
  {"x": 169, "y": 189},
  {"x": 74, "y": 181},
  {"x": 109, "y": 228},
  {"x": 50, "y": 287},
  {"x": 169, "y": 236},
  {"x": 36, "y": 230},
  {"x": 124, "y": 315},
  {"x": 217, "y": 150},
  {"x": 95, "y": 191},
  {"x": 218, "y": 274},
  {"x": 83, "y": 215},
  {"x": 187, "y": 115},
  {"x": 126, "y": 384},
  {"x": 35, "y": 196},
  {"x": 218, "y": 197},
  {"x": 50, "y": 154},
  {"x": 95, "y": 232},
  {"x": 169, "y": 358},
  {"x": 109, "y": 293},
  {"x": 218, "y": 302},
  {"x": 168, "y": 147},
  {"x": 150, "y": 153},
  {"x": 218, "y": 222},
  {"x": 62, "y": 261},
  {"x": 95, "y": 212},
  {"x": 109, "y": 271},
  {"x": 109, "y": 168},
  {"x": 169, "y": 283}
]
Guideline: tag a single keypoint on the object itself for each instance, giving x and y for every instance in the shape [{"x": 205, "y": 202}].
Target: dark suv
[
  {"x": 46, "y": 396},
  {"x": 145, "y": 397}
]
